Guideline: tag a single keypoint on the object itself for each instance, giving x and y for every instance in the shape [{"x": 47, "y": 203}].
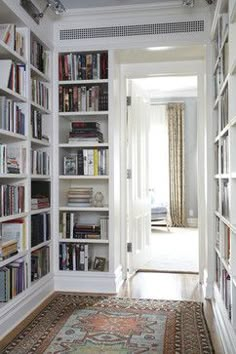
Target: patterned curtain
[{"x": 176, "y": 162}]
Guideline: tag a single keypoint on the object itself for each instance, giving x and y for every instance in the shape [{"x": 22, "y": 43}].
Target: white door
[{"x": 138, "y": 203}]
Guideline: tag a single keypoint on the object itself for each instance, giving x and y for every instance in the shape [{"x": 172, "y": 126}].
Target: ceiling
[
  {"x": 169, "y": 86},
  {"x": 86, "y": 4}
]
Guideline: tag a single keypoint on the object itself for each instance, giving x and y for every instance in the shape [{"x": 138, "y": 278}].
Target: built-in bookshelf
[
  {"x": 25, "y": 162},
  {"x": 41, "y": 159},
  {"x": 224, "y": 116},
  {"x": 13, "y": 167},
  {"x": 83, "y": 162}
]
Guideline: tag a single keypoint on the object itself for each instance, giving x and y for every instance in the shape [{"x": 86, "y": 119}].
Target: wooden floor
[{"x": 171, "y": 286}]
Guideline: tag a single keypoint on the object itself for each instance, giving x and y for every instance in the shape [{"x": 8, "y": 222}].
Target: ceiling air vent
[{"x": 133, "y": 30}]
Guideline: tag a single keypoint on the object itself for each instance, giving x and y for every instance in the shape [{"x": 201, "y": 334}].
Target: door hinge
[
  {"x": 128, "y": 100},
  {"x": 129, "y": 247},
  {"x": 129, "y": 173}
]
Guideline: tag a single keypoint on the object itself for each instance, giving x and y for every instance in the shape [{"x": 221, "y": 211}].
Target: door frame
[{"x": 142, "y": 70}]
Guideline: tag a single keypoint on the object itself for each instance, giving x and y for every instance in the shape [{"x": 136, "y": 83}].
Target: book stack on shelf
[
  {"x": 12, "y": 200},
  {"x": 14, "y": 230},
  {"x": 39, "y": 56},
  {"x": 40, "y": 93},
  {"x": 80, "y": 197},
  {"x": 86, "y": 132},
  {"x": 39, "y": 202},
  {"x": 12, "y": 159}
]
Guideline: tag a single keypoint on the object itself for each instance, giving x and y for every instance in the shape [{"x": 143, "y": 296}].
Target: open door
[{"x": 138, "y": 199}]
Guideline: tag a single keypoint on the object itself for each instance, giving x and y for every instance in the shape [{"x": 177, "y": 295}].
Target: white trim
[
  {"x": 131, "y": 71},
  {"x": 19, "y": 308}
]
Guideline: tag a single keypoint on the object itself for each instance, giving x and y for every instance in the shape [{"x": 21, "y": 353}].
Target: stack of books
[
  {"x": 39, "y": 202},
  {"x": 8, "y": 249},
  {"x": 85, "y": 231},
  {"x": 85, "y": 132},
  {"x": 80, "y": 197}
]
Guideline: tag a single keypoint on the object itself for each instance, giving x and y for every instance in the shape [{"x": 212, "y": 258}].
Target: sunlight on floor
[{"x": 176, "y": 250}]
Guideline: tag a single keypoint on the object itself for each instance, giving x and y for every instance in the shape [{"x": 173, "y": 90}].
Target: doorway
[
  {"x": 177, "y": 69},
  {"x": 172, "y": 249}
]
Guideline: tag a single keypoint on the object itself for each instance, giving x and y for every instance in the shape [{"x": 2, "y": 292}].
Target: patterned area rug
[{"x": 99, "y": 324}]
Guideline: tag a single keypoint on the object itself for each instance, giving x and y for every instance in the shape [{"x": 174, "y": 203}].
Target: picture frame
[{"x": 99, "y": 264}]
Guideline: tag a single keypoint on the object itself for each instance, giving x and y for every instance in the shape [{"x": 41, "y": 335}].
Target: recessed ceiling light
[{"x": 158, "y": 48}]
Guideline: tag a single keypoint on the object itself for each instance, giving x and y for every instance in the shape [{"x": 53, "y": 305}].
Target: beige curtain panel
[{"x": 176, "y": 162}]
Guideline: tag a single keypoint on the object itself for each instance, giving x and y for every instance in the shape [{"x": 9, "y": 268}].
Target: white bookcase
[
  {"x": 25, "y": 172},
  {"x": 83, "y": 131},
  {"x": 224, "y": 115}
]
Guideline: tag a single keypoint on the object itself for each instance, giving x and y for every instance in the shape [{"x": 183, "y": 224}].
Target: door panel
[{"x": 138, "y": 203}]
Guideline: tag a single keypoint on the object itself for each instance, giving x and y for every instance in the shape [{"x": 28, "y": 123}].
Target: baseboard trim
[
  {"x": 22, "y": 309},
  {"x": 224, "y": 328}
]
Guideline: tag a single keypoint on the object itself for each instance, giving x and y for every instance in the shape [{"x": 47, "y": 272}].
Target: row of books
[
  {"x": 40, "y": 93},
  {"x": 39, "y": 56},
  {"x": 12, "y": 280},
  {"x": 87, "y": 162},
  {"x": 12, "y": 199},
  {"x": 13, "y": 76},
  {"x": 12, "y": 117},
  {"x": 83, "y": 98},
  {"x": 76, "y": 257},
  {"x": 11, "y": 37},
  {"x": 40, "y": 263},
  {"x": 40, "y": 162},
  {"x": 225, "y": 199},
  {"x": 222, "y": 27},
  {"x": 40, "y": 228},
  {"x": 224, "y": 154},
  {"x": 224, "y": 108},
  {"x": 223, "y": 283},
  {"x": 12, "y": 159},
  {"x": 72, "y": 228},
  {"x": 77, "y": 66}
]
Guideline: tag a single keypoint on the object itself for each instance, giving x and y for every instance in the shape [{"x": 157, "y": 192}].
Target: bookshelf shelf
[
  {"x": 66, "y": 208},
  {"x": 87, "y": 240},
  {"x": 12, "y": 176},
  {"x": 13, "y": 258},
  {"x": 12, "y": 95},
  {"x": 40, "y": 177},
  {"x": 7, "y": 53},
  {"x": 12, "y": 217},
  {"x": 40, "y": 108},
  {"x": 83, "y": 82},
  {"x": 43, "y": 244},
  {"x": 85, "y": 113},
  {"x": 78, "y": 177},
  {"x": 39, "y": 211},
  {"x": 7, "y": 136},
  {"x": 82, "y": 145},
  {"x": 38, "y": 142},
  {"x": 38, "y": 74}
]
